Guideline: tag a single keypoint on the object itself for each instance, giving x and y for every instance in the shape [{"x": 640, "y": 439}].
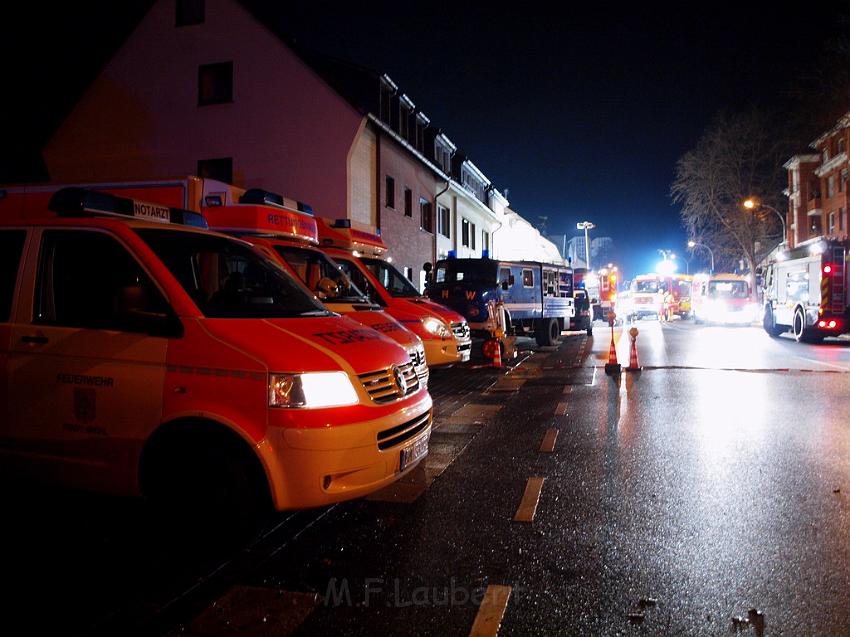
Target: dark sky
[{"x": 580, "y": 113}]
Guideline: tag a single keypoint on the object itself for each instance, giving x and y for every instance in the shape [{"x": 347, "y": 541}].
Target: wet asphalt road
[{"x": 703, "y": 488}]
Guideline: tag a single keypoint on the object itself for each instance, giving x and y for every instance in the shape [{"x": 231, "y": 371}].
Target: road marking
[
  {"x": 528, "y": 505},
  {"x": 473, "y": 413},
  {"x": 561, "y": 409},
  {"x": 548, "y": 444},
  {"x": 491, "y": 611}
]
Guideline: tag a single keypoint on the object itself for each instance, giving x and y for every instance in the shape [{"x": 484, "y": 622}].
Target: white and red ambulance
[{"x": 139, "y": 354}]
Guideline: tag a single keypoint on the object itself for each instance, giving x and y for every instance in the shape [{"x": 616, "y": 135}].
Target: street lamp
[
  {"x": 586, "y": 225},
  {"x": 753, "y": 204},
  {"x": 694, "y": 244}
]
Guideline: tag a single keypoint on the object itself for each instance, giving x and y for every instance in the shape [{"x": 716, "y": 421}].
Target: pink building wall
[{"x": 286, "y": 129}]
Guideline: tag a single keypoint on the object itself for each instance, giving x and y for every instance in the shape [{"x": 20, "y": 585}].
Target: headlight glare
[
  {"x": 312, "y": 390},
  {"x": 436, "y": 327}
]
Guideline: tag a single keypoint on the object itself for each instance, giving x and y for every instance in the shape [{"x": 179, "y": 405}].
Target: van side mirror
[
  {"x": 505, "y": 285},
  {"x": 427, "y": 267}
]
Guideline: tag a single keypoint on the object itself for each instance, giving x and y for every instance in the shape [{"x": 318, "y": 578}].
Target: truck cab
[
  {"x": 723, "y": 299},
  {"x": 142, "y": 354}
]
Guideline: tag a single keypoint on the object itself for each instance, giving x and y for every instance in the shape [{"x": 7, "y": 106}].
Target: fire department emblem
[
  {"x": 84, "y": 405},
  {"x": 400, "y": 381}
]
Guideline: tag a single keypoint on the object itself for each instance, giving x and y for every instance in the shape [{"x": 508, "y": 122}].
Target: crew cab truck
[
  {"x": 362, "y": 254},
  {"x": 290, "y": 235},
  {"x": 538, "y": 297},
  {"x": 805, "y": 292},
  {"x": 723, "y": 299},
  {"x": 141, "y": 356}
]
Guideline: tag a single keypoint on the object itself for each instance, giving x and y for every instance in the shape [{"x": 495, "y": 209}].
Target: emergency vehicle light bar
[
  {"x": 260, "y": 197},
  {"x": 76, "y": 202},
  {"x": 346, "y": 223}
]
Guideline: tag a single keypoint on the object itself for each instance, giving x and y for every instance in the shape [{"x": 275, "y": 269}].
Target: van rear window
[{"x": 11, "y": 248}]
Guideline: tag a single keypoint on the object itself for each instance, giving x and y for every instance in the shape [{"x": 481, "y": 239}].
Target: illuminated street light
[
  {"x": 586, "y": 225},
  {"x": 694, "y": 244},
  {"x": 754, "y": 204}
]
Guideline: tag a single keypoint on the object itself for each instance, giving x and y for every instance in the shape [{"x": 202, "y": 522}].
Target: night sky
[{"x": 580, "y": 113}]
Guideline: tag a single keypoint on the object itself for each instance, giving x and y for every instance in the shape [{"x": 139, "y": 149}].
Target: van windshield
[
  {"x": 646, "y": 286},
  {"x": 228, "y": 279},
  {"x": 728, "y": 289},
  {"x": 480, "y": 272},
  {"x": 321, "y": 275},
  {"x": 394, "y": 281}
]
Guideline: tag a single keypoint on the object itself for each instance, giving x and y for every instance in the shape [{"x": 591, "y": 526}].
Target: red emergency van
[
  {"x": 361, "y": 253},
  {"x": 140, "y": 355},
  {"x": 289, "y": 235}
]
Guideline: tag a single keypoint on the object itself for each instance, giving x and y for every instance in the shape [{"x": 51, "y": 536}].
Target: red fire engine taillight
[
  {"x": 827, "y": 269},
  {"x": 829, "y": 325}
]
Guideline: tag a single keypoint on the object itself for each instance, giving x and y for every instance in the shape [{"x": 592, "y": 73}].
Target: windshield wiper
[{"x": 316, "y": 313}]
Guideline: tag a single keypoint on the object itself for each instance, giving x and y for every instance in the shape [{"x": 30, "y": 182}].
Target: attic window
[
  {"x": 190, "y": 12},
  {"x": 215, "y": 83}
]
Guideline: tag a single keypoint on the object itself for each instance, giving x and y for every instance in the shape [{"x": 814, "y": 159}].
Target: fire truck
[
  {"x": 805, "y": 292},
  {"x": 362, "y": 254},
  {"x": 723, "y": 299},
  {"x": 143, "y": 354}
]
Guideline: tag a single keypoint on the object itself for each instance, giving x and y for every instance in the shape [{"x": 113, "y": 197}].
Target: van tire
[
  {"x": 803, "y": 334},
  {"x": 547, "y": 332},
  {"x": 198, "y": 472}
]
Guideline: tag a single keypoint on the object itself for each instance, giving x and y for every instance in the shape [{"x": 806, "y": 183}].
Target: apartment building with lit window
[{"x": 817, "y": 188}]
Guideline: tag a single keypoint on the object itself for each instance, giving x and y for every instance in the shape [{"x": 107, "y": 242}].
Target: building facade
[{"x": 817, "y": 188}]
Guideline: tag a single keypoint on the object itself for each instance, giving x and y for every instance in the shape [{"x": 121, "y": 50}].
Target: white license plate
[{"x": 414, "y": 452}]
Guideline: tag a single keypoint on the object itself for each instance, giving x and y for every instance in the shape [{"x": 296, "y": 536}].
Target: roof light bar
[
  {"x": 260, "y": 197},
  {"x": 78, "y": 202}
]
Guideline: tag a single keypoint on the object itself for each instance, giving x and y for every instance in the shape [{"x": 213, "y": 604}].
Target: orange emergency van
[
  {"x": 360, "y": 251},
  {"x": 290, "y": 235},
  {"x": 140, "y": 355}
]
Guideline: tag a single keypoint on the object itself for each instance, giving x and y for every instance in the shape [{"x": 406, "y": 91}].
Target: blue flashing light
[
  {"x": 485, "y": 254},
  {"x": 452, "y": 254}
]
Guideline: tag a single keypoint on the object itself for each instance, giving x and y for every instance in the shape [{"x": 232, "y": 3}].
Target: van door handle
[{"x": 34, "y": 339}]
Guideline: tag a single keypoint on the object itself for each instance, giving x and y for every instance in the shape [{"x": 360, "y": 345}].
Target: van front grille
[
  {"x": 383, "y": 387},
  {"x": 395, "y": 436}
]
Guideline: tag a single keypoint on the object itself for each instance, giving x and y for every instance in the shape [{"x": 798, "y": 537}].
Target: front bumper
[{"x": 315, "y": 466}]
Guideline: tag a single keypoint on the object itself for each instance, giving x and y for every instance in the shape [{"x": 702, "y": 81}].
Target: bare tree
[{"x": 737, "y": 157}]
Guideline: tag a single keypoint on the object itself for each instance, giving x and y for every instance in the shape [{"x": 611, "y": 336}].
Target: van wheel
[
  {"x": 547, "y": 332},
  {"x": 203, "y": 474},
  {"x": 769, "y": 323}
]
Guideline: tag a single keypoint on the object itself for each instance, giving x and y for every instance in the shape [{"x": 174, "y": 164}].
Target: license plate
[{"x": 414, "y": 452}]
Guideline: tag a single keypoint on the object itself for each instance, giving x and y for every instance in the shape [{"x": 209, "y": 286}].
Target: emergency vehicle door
[
  {"x": 87, "y": 375},
  {"x": 11, "y": 250}
]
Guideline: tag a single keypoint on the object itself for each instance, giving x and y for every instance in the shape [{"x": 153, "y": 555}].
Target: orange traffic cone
[
  {"x": 634, "y": 366},
  {"x": 497, "y": 355},
  {"x": 612, "y": 366}
]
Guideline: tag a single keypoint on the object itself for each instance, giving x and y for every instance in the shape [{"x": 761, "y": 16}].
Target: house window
[
  {"x": 464, "y": 233},
  {"x": 189, "y": 12},
  {"x": 404, "y": 121},
  {"x": 826, "y": 153},
  {"x": 215, "y": 83},
  {"x": 444, "y": 221},
  {"x": 815, "y": 229},
  {"x": 840, "y": 145},
  {"x": 419, "y": 132},
  {"x": 485, "y": 240},
  {"x": 390, "y": 192},
  {"x": 830, "y": 186},
  {"x": 443, "y": 156},
  {"x": 220, "y": 169},
  {"x": 408, "y": 273},
  {"x": 472, "y": 235},
  {"x": 832, "y": 222},
  {"x": 528, "y": 278},
  {"x": 386, "y": 101},
  {"x": 426, "y": 222},
  {"x": 408, "y": 202},
  {"x": 842, "y": 223}
]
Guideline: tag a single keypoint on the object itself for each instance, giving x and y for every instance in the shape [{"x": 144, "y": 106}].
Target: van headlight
[
  {"x": 436, "y": 327},
  {"x": 312, "y": 390}
]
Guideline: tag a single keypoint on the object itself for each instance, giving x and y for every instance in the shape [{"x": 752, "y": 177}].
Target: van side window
[
  {"x": 504, "y": 275},
  {"x": 528, "y": 278},
  {"x": 89, "y": 280},
  {"x": 359, "y": 279},
  {"x": 11, "y": 248}
]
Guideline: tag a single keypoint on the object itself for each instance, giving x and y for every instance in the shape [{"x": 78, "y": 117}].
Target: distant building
[
  {"x": 817, "y": 188},
  {"x": 601, "y": 251}
]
